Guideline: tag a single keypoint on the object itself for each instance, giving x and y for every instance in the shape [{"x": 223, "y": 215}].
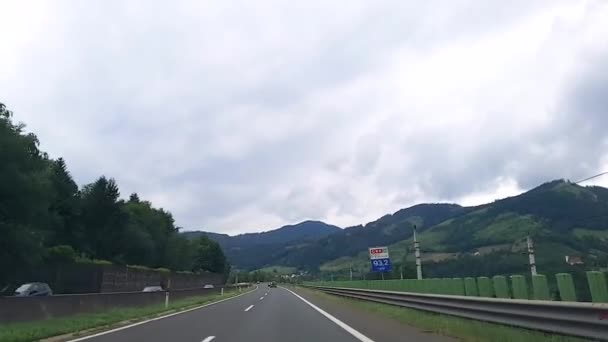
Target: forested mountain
[
  {"x": 309, "y": 244},
  {"x": 256, "y": 250},
  {"x": 563, "y": 219},
  {"x": 384, "y": 231},
  {"x": 285, "y": 234},
  {"x": 46, "y": 218}
]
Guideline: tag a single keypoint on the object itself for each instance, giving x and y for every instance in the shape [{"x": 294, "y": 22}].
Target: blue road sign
[{"x": 381, "y": 265}]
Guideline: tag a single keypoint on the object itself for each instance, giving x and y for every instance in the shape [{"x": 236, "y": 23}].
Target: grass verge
[
  {"x": 461, "y": 328},
  {"x": 37, "y": 330}
]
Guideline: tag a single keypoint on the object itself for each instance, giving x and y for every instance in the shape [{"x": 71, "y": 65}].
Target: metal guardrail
[{"x": 588, "y": 320}]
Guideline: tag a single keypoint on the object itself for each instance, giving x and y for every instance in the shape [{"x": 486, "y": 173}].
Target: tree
[
  {"x": 208, "y": 256},
  {"x": 104, "y": 220},
  {"x": 64, "y": 206},
  {"x": 25, "y": 195},
  {"x": 147, "y": 234},
  {"x": 45, "y": 218},
  {"x": 134, "y": 198}
]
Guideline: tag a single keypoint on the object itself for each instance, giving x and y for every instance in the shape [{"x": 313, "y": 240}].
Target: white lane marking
[
  {"x": 261, "y": 298},
  {"x": 155, "y": 319},
  {"x": 249, "y": 308},
  {"x": 341, "y": 324},
  {"x": 266, "y": 294},
  {"x": 208, "y": 339}
]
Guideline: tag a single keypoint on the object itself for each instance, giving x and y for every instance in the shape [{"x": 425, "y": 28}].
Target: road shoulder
[{"x": 376, "y": 327}]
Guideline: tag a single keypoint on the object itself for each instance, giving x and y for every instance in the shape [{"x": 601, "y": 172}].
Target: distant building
[{"x": 574, "y": 260}]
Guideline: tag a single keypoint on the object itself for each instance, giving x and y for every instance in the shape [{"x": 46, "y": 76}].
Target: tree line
[{"x": 45, "y": 216}]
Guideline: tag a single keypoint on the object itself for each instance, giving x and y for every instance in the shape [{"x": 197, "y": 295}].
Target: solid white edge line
[
  {"x": 249, "y": 307},
  {"x": 156, "y": 318},
  {"x": 208, "y": 339},
  {"x": 341, "y": 324}
]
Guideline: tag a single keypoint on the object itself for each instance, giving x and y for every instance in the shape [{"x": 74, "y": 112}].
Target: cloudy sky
[{"x": 241, "y": 116}]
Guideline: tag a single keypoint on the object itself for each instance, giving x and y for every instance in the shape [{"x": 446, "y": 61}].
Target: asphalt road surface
[{"x": 269, "y": 315}]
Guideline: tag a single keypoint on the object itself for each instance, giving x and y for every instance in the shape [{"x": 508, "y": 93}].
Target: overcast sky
[{"x": 242, "y": 116}]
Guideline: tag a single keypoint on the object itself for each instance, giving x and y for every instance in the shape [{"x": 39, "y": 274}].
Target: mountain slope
[
  {"x": 256, "y": 250},
  {"x": 348, "y": 242},
  {"x": 562, "y": 217}
]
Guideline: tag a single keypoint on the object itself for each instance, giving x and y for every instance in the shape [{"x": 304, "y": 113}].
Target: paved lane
[{"x": 265, "y": 314}]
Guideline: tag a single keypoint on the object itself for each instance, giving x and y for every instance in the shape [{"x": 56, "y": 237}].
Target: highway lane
[{"x": 265, "y": 314}]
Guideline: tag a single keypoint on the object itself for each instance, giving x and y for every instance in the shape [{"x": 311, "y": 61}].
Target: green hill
[
  {"x": 563, "y": 218},
  {"x": 350, "y": 241},
  {"x": 257, "y": 250}
]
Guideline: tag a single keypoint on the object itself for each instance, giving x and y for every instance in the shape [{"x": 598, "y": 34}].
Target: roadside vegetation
[
  {"x": 46, "y": 218},
  {"x": 461, "y": 328},
  {"x": 85, "y": 324}
]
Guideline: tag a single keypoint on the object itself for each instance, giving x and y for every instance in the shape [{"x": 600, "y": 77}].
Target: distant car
[
  {"x": 257, "y": 282},
  {"x": 272, "y": 284},
  {"x": 152, "y": 289},
  {"x": 33, "y": 289},
  {"x": 208, "y": 286}
]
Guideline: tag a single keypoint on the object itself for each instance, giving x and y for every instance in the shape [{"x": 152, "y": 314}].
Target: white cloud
[{"x": 244, "y": 116}]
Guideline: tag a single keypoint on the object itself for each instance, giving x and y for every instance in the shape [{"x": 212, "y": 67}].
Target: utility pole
[
  {"x": 531, "y": 255},
  {"x": 417, "y": 252}
]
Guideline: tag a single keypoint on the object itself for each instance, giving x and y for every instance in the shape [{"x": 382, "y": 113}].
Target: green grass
[
  {"x": 462, "y": 328},
  {"x": 34, "y": 331},
  {"x": 508, "y": 226}
]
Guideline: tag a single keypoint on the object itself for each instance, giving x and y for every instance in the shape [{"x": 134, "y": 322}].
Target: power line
[{"x": 586, "y": 179}]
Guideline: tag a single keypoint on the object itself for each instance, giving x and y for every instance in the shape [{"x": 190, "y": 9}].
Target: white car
[
  {"x": 208, "y": 286},
  {"x": 152, "y": 289}
]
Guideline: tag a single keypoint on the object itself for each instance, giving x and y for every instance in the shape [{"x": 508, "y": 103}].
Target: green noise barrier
[
  {"x": 457, "y": 287},
  {"x": 520, "y": 288},
  {"x": 470, "y": 287},
  {"x": 565, "y": 285},
  {"x": 501, "y": 288},
  {"x": 597, "y": 287},
  {"x": 540, "y": 287},
  {"x": 484, "y": 285}
]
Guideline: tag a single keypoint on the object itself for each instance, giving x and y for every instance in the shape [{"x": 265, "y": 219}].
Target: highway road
[{"x": 267, "y": 314}]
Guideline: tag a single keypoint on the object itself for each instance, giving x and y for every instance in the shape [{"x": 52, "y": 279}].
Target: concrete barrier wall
[
  {"x": 19, "y": 309},
  {"x": 92, "y": 278},
  {"x": 127, "y": 279}
]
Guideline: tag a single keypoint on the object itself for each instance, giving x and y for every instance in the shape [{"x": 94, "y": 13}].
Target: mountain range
[{"x": 564, "y": 219}]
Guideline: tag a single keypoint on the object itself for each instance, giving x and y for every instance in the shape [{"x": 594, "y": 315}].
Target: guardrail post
[
  {"x": 520, "y": 287},
  {"x": 565, "y": 285},
  {"x": 222, "y": 292},
  {"x": 501, "y": 288},
  {"x": 485, "y": 287},
  {"x": 166, "y": 299},
  {"x": 597, "y": 286},
  {"x": 470, "y": 287},
  {"x": 540, "y": 287}
]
